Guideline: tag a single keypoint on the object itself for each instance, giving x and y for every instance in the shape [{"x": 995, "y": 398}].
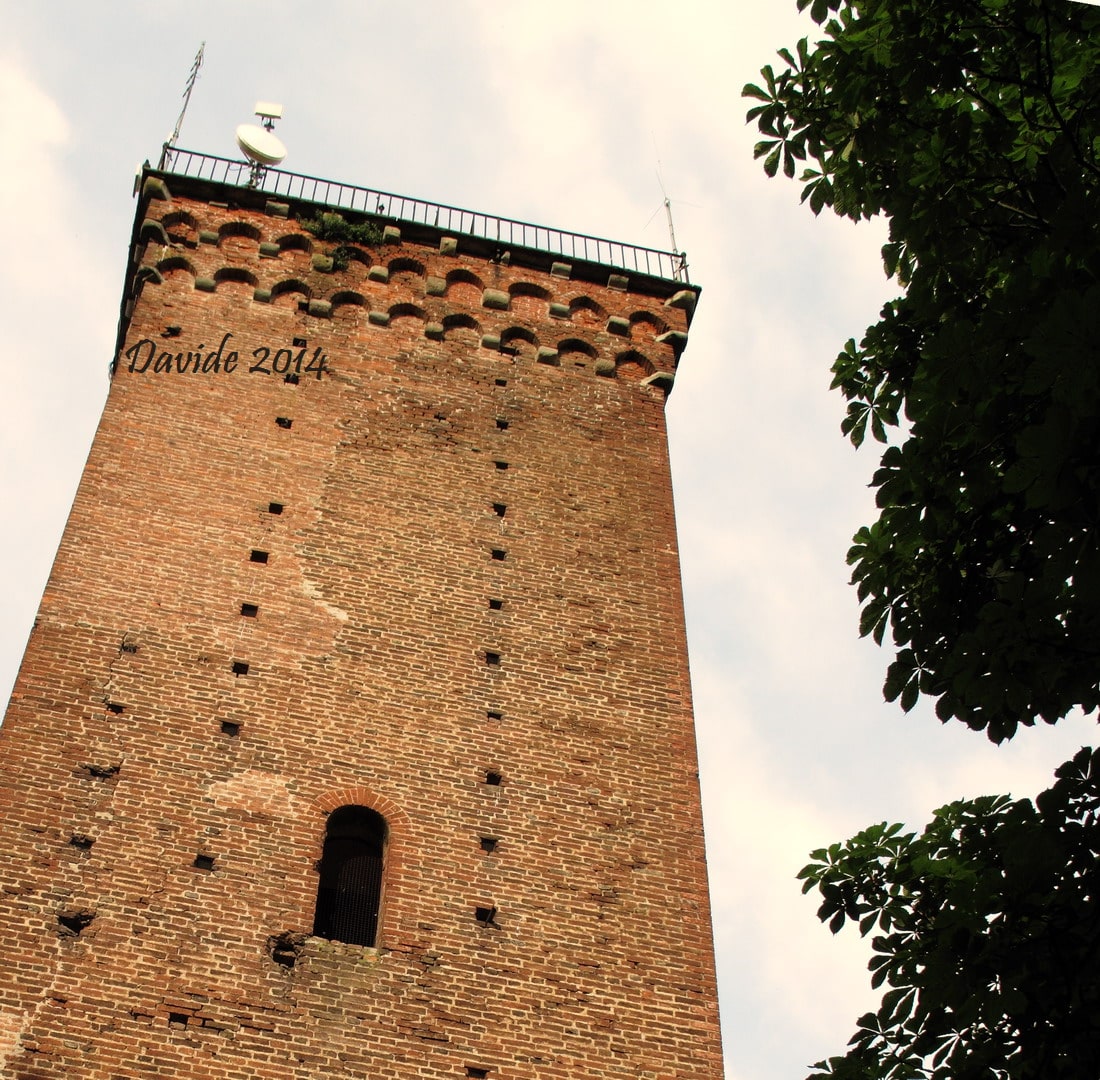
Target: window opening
[{"x": 349, "y": 892}]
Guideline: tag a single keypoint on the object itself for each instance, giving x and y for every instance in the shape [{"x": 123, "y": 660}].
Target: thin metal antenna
[
  {"x": 165, "y": 157},
  {"x": 680, "y": 273},
  {"x": 671, "y": 230}
]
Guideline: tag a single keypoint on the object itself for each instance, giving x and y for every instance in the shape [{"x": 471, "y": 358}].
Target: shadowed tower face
[{"x": 354, "y": 736}]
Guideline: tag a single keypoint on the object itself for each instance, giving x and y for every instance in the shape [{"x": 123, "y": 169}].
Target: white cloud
[{"x": 60, "y": 309}]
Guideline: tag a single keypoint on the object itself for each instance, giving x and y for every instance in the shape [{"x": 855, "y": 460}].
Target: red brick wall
[{"x": 367, "y": 682}]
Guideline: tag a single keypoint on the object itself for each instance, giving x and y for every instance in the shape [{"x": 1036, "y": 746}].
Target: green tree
[
  {"x": 987, "y": 937},
  {"x": 974, "y": 126}
]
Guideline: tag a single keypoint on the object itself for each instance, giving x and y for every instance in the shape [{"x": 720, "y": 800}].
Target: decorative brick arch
[
  {"x": 295, "y": 242},
  {"x": 651, "y": 322},
  {"x": 236, "y": 274},
  {"x": 583, "y": 309},
  {"x": 405, "y": 265},
  {"x": 239, "y": 228},
  {"x": 175, "y": 264},
  {"x": 633, "y": 364},
  {"x": 576, "y": 345},
  {"x": 407, "y": 311},
  {"x": 516, "y": 337}
]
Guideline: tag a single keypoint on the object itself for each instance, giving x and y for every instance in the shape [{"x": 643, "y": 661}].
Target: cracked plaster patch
[{"x": 315, "y": 594}]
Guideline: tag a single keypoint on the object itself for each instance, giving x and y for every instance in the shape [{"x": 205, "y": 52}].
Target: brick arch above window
[{"x": 363, "y": 796}]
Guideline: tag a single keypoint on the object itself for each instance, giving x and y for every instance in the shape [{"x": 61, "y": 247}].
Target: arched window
[{"x": 350, "y": 889}]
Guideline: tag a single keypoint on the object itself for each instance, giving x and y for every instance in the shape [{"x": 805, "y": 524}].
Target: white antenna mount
[{"x": 259, "y": 143}]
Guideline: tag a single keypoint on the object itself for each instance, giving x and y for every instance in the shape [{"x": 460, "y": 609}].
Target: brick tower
[{"x": 354, "y": 735}]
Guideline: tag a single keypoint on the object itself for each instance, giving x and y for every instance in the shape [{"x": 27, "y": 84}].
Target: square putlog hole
[
  {"x": 284, "y": 422},
  {"x": 250, "y": 611},
  {"x": 203, "y": 862},
  {"x": 231, "y": 728},
  {"x": 240, "y": 667},
  {"x": 495, "y": 605},
  {"x": 257, "y": 556},
  {"x": 275, "y": 508},
  {"x": 489, "y": 843}
]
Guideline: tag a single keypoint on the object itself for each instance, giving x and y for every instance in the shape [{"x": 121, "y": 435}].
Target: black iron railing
[{"x": 451, "y": 219}]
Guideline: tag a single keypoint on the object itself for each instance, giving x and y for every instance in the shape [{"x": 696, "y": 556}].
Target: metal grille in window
[{"x": 350, "y": 887}]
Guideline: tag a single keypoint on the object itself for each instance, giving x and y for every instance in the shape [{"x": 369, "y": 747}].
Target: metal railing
[{"x": 505, "y": 231}]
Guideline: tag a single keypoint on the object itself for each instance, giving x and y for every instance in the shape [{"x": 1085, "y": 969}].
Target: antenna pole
[
  {"x": 166, "y": 154},
  {"x": 680, "y": 272},
  {"x": 671, "y": 230}
]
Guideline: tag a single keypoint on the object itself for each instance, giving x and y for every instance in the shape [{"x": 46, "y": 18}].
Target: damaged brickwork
[{"x": 434, "y": 575}]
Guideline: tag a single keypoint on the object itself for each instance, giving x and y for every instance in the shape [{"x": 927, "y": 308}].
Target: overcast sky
[{"x": 558, "y": 114}]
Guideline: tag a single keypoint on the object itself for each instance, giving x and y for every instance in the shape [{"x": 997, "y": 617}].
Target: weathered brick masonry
[{"x": 473, "y": 577}]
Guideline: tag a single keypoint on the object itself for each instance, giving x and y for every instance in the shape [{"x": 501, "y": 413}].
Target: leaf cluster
[
  {"x": 974, "y": 127},
  {"x": 332, "y": 226},
  {"x": 985, "y": 933}
]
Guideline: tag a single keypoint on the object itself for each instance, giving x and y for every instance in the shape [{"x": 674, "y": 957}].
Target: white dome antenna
[{"x": 259, "y": 143}]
